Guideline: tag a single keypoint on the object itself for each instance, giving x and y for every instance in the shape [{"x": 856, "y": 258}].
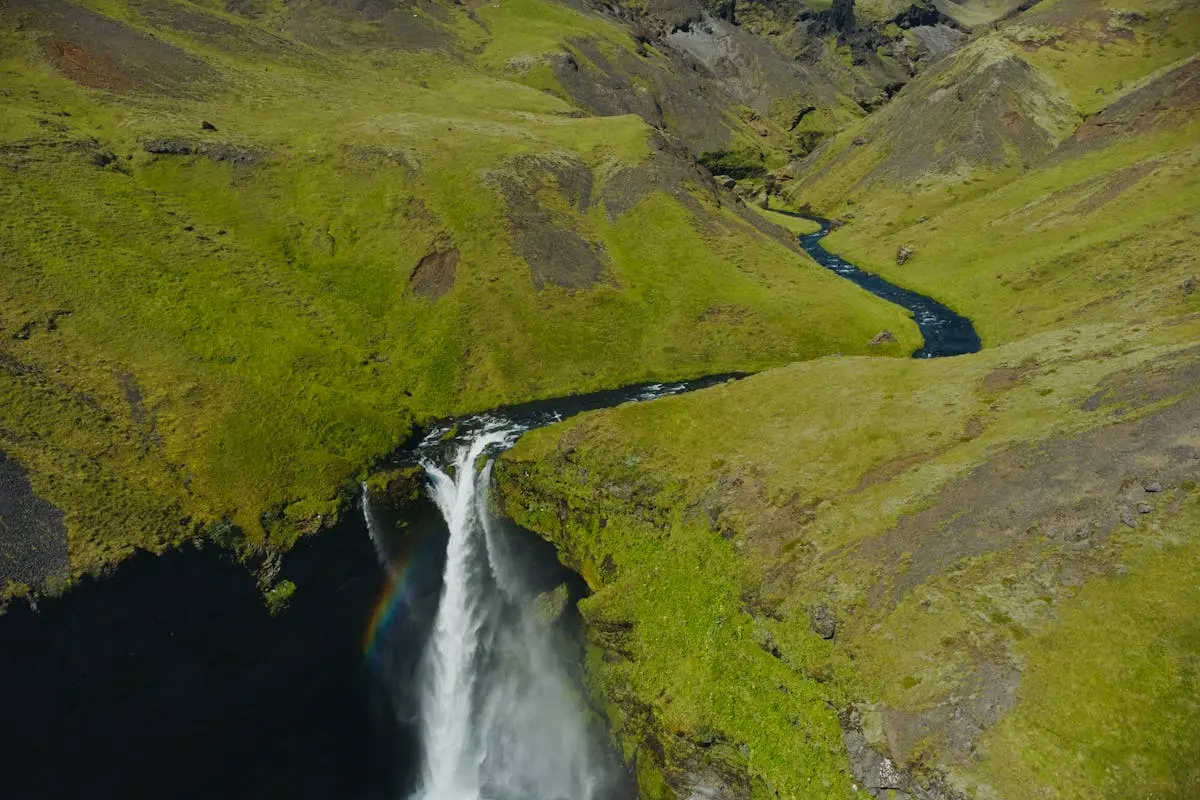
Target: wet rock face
[{"x": 33, "y": 533}]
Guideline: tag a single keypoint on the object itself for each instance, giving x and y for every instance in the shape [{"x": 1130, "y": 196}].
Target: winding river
[
  {"x": 169, "y": 678},
  {"x": 945, "y": 332}
]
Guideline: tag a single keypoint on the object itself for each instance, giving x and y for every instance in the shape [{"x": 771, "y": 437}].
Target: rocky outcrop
[
  {"x": 983, "y": 108},
  {"x": 220, "y": 152},
  {"x": 551, "y": 242}
]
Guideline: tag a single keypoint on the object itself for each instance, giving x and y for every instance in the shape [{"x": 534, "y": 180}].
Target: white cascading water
[{"x": 500, "y": 719}]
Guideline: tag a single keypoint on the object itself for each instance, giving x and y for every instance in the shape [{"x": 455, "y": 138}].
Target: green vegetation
[
  {"x": 234, "y": 326},
  {"x": 796, "y": 225},
  {"x": 1131, "y": 644},
  {"x": 912, "y": 500},
  {"x": 278, "y": 596},
  {"x": 710, "y": 525},
  {"x": 1098, "y": 237},
  {"x": 1036, "y": 226},
  {"x": 973, "y": 533},
  {"x": 737, "y": 164},
  {"x": 243, "y": 256}
]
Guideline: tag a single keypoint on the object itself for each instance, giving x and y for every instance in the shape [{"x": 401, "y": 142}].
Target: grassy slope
[
  {"x": 242, "y": 339},
  {"x": 708, "y": 524},
  {"x": 1142, "y": 680},
  {"x": 1006, "y": 243}
]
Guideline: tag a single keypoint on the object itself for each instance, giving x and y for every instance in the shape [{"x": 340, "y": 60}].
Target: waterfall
[{"x": 499, "y": 716}]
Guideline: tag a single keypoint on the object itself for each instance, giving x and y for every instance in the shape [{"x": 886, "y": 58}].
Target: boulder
[
  {"x": 205, "y": 125},
  {"x": 903, "y": 254},
  {"x": 1129, "y": 519},
  {"x": 822, "y": 621},
  {"x": 1153, "y": 487},
  {"x": 882, "y": 337},
  {"x": 725, "y": 182}
]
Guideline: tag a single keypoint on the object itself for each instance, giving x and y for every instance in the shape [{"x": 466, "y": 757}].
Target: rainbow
[{"x": 393, "y": 600}]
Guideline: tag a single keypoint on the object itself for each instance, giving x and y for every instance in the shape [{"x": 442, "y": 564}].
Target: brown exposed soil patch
[
  {"x": 1114, "y": 184},
  {"x": 102, "y": 53},
  {"x": 214, "y": 30},
  {"x": 434, "y": 274},
  {"x": 1159, "y": 381},
  {"x": 1004, "y": 378},
  {"x": 33, "y": 534},
  {"x": 885, "y": 472},
  {"x": 728, "y": 314},
  {"x": 369, "y": 24},
  {"x": 985, "y": 696},
  {"x": 534, "y": 189},
  {"x": 665, "y": 172}
]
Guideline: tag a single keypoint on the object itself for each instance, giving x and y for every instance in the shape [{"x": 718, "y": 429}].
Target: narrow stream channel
[
  {"x": 945, "y": 332},
  {"x": 169, "y": 678}
]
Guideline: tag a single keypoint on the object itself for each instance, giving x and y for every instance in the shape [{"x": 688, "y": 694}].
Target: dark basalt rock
[
  {"x": 919, "y": 14},
  {"x": 822, "y": 621},
  {"x": 234, "y": 154},
  {"x": 239, "y": 155},
  {"x": 169, "y": 147}
]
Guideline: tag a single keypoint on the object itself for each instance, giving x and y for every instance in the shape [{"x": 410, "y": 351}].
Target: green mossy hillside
[
  {"x": 954, "y": 526},
  {"x": 242, "y": 256}
]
